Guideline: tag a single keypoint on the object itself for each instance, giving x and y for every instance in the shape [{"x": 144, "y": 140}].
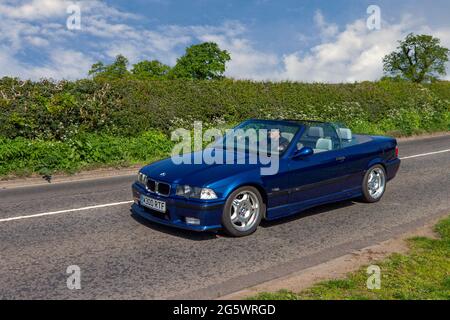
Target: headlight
[
  {"x": 197, "y": 193},
  {"x": 142, "y": 178},
  {"x": 207, "y": 194},
  {"x": 184, "y": 191}
]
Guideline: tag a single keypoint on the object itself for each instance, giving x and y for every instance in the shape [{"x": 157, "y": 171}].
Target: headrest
[
  {"x": 316, "y": 132},
  {"x": 345, "y": 133},
  {"x": 324, "y": 144}
]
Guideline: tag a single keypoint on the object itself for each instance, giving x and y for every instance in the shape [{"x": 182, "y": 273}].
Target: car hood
[{"x": 200, "y": 175}]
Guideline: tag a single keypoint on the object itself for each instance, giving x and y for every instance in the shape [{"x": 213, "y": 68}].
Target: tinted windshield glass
[{"x": 263, "y": 136}]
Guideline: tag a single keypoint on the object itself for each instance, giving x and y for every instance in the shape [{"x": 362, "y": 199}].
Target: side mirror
[{"x": 303, "y": 152}]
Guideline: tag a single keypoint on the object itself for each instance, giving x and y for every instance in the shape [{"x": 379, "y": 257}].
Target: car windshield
[{"x": 271, "y": 137}]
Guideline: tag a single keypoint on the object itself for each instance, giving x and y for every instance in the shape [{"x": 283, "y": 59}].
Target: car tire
[
  {"x": 374, "y": 184},
  {"x": 243, "y": 211}
]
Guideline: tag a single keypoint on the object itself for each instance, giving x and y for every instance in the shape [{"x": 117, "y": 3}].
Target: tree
[
  {"x": 202, "y": 61},
  {"x": 418, "y": 58},
  {"x": 97, "y": 68},
  {"x": 117, "y": 69},
  {"x": 150, "y": 70}
]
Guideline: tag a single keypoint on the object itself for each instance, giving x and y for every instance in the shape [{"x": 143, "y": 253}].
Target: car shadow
[
  {"x": 210, "y": 235},
  {"x": 308, "y": 212},
  {"x": 186, "y": 234}
]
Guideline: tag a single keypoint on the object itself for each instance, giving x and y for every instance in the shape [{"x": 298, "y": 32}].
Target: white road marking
[
  {"x": 65, "y": 211},
  {"x": 129, "y": 202},
  {"x": 425, "y": 154}
]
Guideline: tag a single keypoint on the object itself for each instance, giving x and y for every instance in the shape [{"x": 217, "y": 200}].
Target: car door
[
  {"x": 322, "y": 175},
  {"x": 276, "y": 187}
]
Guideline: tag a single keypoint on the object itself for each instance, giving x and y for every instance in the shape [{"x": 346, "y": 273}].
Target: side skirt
[{"x": 297, "y": 207}]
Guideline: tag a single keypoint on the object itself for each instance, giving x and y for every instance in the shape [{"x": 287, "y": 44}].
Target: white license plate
[{"x": 153, "y": 204}]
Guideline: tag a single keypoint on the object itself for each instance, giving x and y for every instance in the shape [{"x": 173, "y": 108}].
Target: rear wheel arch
[{"x": 377, "y": 161}]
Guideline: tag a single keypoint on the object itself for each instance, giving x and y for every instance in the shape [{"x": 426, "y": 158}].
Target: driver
[{"x": 275, "y": 136}]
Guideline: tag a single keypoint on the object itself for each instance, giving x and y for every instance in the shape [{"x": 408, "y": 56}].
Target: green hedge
[
  {"x": 47, "y": 110},
  {"x": 64, "y": 126}
]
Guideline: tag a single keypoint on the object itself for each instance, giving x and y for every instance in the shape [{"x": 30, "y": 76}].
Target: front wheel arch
[
  {"x": 229, "y": 224},
  {"x": 258, "y": 187}
]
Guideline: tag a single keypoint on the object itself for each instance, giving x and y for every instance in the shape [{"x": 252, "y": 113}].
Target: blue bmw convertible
[{"x": 316, "y": 163}]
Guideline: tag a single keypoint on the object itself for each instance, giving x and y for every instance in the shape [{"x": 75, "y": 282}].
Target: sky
[{"x": 276, "y": 40}]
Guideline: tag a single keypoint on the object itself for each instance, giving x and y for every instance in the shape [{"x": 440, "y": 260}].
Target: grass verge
[
  {"x": 23, "y": 157},
  {"x": 422, "y": 273}
]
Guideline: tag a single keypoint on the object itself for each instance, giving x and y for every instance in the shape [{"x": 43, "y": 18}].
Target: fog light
[
  {"x": 190, "y": 220},
  {"x": 136, "y": 196}
]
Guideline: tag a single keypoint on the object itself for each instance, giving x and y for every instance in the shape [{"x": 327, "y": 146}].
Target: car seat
[{"x": 323, "y": 144}]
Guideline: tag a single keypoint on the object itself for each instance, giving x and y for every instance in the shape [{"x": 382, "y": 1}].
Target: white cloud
[
  {"x": 35, "y": 9},
  {"x": 247, "y": 62},
  {"x": 40, "y": 25},
  {"x": 48, "y": 9},
  {"x": 62, "y": 64},
  {"x": 355, "y": 54},
  {"x": 37, "y": 41},
  {"x": 326, "y": 29}
]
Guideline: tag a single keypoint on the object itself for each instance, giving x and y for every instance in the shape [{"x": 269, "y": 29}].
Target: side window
[{"x": 320, "y": 137}]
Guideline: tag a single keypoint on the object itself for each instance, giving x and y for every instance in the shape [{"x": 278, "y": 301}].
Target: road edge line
[{"x": 52, "y": 213}]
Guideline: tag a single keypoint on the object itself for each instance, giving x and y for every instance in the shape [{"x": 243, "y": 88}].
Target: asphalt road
[{"x": 122, "y": 257}]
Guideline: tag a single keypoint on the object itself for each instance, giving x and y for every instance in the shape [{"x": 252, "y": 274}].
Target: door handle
[{"x": 340, "y": 159}]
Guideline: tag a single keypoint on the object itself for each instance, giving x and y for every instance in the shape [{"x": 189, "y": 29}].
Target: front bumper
[{"x": 177, "y": 209}]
